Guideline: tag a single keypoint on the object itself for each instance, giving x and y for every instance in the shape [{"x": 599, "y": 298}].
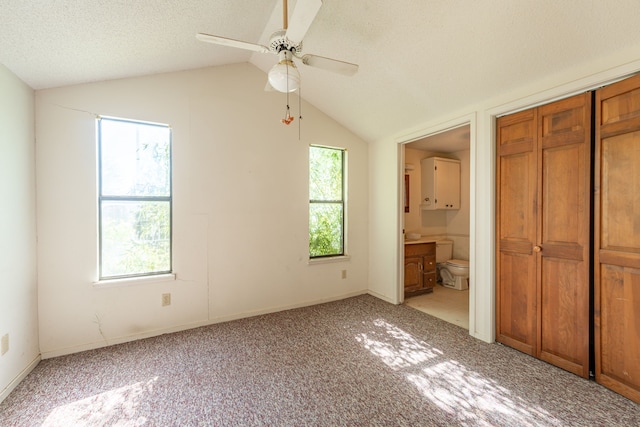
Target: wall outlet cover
[
  {"x": 4, "y": 344},
  {"x": 166, "y": 300}
]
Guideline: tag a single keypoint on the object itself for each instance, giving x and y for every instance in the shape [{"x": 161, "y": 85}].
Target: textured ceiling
[
  {"x": 449, "y": 141},
  {"x": 419, "y": 59}
]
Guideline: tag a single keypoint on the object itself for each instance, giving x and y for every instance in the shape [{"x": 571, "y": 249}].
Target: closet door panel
[
  {"x": 563, "y": 233},
  {"x": 620, "y": 330},
  {"x": 621, "y": 192},
  {"x": 562, "y": 337},
  {"x": 516, "y": 322},
  {"x": 620, "y": 103},
  {"x": 516, "y": 206},
  {"x": 516, "y": 212},
  {"x": 563, "y": 195},
  {"x": 543, "y": 232},
  {"x": 617, "y": 238}
]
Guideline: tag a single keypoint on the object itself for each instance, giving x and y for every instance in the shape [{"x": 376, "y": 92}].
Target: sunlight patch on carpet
[
  {"x": 473, "y": 398},
  {"x": 396, "y": 348},
  {"x": 463, "y": 393},
  {"x": 118, "y": 407}
]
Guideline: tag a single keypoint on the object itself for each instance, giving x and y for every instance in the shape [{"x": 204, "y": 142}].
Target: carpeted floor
[{"x": 357, "y": 362}]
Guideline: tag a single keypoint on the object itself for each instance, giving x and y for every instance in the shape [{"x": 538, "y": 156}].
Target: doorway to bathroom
[{"x": 443, "y": 224}]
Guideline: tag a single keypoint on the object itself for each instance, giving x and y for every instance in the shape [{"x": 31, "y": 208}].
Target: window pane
[
  {"x": 135, "y": 159},
  {"x": 325, "y": 174},
  {"x": 135, "y": 238},
  {"x": 325, "y": 229}
]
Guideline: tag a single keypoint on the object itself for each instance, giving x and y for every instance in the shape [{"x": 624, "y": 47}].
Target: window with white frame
[
  {"x": 134, "y": 198},
  {"x": 326, "y": 201}
]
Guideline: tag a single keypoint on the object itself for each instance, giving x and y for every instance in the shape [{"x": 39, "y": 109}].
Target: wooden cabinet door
[
  {"x": 563, "y": 235},
  {"x": 617, "y": 238},
  {"x": 419, "y": 268},
  {"x": 447, "y": 184},
  {"x": 412, "y": 273},
  {"x": 440, "y": 183},
  {"x": 516, "y": 213},
  {"x": 543, "y": 232}
]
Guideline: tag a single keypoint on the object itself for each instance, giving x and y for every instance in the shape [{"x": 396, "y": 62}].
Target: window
[
  {"x": 134, "y": 179},
  {"x": 326, "y": 201}
]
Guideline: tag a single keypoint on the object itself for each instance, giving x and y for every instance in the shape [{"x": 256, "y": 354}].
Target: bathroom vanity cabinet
[
  {"x": 419, "y": 268},
  {"x": 440, "y": 183}
]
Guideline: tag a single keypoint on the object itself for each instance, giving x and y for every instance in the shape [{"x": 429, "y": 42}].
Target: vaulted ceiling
[{"x": 419, "y": 59}]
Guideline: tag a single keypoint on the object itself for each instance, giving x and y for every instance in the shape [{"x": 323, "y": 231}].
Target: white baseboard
[
  {"x": 286, "y": 307},
  {"x": 128, "y": 338},
  {"x": 13, "y": 384},
  {"x": 382, "y": 297},
  {"x": 119, "y": 340}
]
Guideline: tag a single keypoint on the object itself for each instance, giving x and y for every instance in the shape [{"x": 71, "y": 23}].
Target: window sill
[
  {"x": 329, "y": 259},
  {"x": 127, "y": 281}
]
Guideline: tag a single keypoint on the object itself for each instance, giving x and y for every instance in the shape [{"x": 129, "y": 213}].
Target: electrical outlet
[
  {"x": 166, "y": 299},
  {"x": 344, "y": 274},
  {"x": 4, "y": 345}
]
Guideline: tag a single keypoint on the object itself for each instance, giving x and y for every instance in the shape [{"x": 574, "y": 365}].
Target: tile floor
[{"x": 447, "y": 304}]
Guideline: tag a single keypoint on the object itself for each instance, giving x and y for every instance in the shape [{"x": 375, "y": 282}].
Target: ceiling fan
[{"x": 287, "y": 44}]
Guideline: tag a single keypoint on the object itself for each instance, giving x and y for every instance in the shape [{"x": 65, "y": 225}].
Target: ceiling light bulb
[{"x": 284, "y": 76}]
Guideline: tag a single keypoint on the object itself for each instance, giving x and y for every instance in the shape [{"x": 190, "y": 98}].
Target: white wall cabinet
[{"x": 440, "y": 183}]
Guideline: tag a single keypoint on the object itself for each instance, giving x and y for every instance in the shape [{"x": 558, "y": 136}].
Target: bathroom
[{"x": 448, "y": 228}]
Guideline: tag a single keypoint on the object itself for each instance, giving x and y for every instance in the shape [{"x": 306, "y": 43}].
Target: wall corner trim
[{"x": 14, "y": 383}]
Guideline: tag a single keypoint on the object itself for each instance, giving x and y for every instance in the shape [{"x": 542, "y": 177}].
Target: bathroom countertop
[{"x": 420, "y": 240}]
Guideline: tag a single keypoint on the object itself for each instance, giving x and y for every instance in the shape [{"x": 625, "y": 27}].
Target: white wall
[
  {"x": 385, "y": 209},
  {"x": 384, "y": 229},
  {"x": 18, "y": 293},
  {"x": 240, "y": 180}
]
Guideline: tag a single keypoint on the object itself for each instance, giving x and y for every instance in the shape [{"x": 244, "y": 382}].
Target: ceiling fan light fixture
[
  {"x": 287, "y": 43},
  {"x": 284, "y": 76}
]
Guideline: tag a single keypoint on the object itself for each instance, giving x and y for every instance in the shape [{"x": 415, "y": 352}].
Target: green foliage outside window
[{"x": 326, "y": 202}]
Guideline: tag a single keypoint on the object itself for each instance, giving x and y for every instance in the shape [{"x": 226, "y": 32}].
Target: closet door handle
[{"x": 537, "y": 249}]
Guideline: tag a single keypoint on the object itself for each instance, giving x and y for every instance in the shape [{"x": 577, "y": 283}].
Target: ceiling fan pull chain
[
  {"x": 299, "y": 111},
  {"x": 288, "y": 118}
]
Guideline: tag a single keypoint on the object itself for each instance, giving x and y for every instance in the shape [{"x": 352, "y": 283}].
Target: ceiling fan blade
[
  {"x": 231, "y": 43},
  {"x": 301, "y": 19},
  {"x": 340, "y": 67}
]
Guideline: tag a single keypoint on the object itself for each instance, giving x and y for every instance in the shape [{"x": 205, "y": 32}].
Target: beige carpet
[
  {"x": 447, "y": 304},
  {"x": 359, "y": 362}
]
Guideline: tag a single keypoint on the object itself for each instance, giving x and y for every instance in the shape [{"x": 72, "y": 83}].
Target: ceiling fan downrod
[{"x": 285, "y": 18}]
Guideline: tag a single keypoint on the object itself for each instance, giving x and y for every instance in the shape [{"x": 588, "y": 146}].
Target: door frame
[{"x": 470, "y": 120}]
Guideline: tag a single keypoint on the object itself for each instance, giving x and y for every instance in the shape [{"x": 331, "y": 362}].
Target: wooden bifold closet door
[
  {"x": 617, "y": 238},
  {"x": 543, "y": 232}
]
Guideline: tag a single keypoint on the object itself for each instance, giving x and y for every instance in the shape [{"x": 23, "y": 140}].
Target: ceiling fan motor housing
[{"x": 279, "y": 42}]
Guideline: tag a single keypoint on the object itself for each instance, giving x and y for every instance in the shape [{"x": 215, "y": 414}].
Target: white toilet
[{"x": 454, "y": 272}]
